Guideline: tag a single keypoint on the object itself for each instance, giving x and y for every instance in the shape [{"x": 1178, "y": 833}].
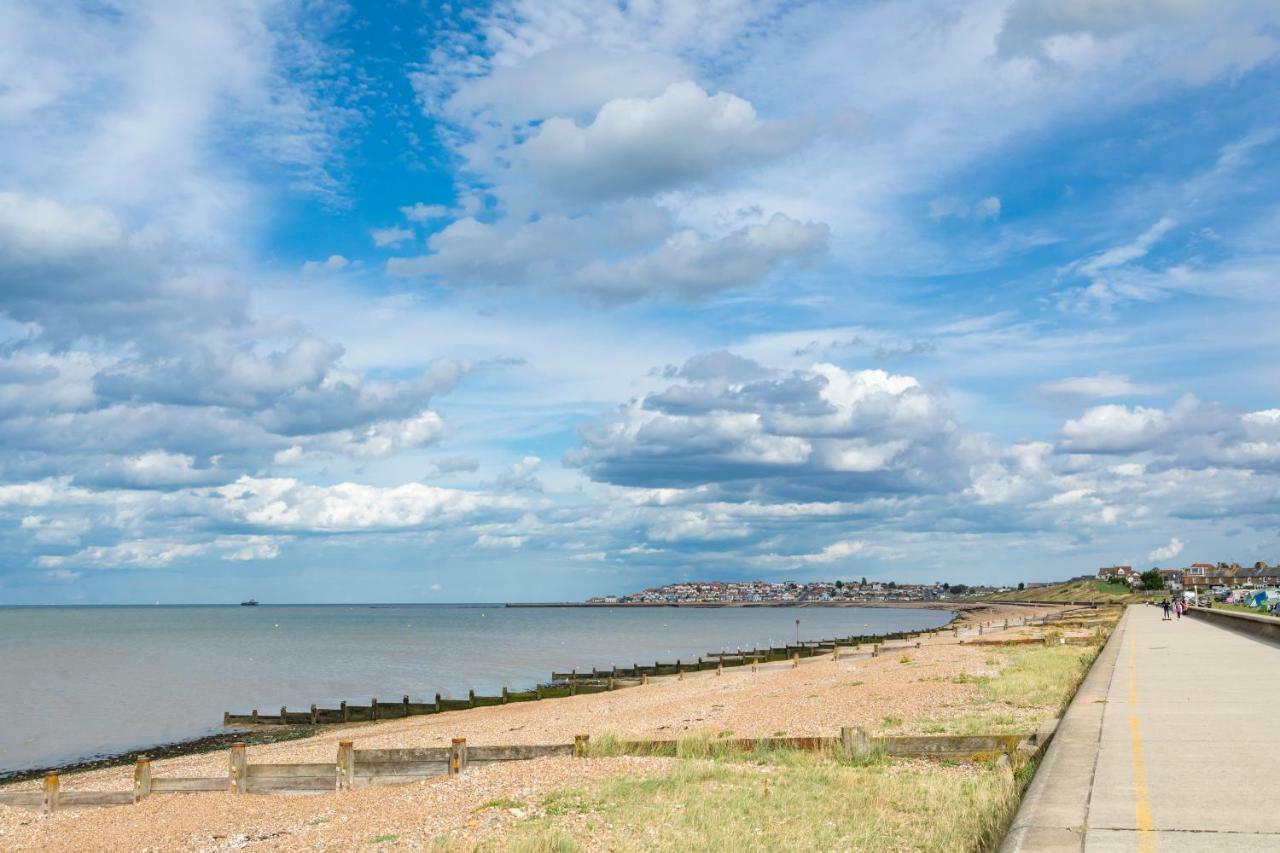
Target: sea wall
[{"x": 1261, "y": 627}]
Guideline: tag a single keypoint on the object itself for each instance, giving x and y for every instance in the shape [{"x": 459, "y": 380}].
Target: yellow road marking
[
  {"x": 1142, "y": 808},
  {"x": 1142, "y": 805}
]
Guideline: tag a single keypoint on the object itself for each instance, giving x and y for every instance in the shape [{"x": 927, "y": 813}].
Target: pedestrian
[
  {"x": 1177, "y": 608},
  {"x": 1165, "y": 605}
]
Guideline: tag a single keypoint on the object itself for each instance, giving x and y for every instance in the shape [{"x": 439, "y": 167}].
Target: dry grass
[{"x": 795, "y": 801}]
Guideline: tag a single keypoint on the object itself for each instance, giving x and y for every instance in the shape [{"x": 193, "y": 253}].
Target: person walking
[{"x": 1165, "y": 605}]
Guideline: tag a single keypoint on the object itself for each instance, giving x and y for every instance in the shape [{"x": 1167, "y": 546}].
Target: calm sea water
[{"x": 82, "y": 681}]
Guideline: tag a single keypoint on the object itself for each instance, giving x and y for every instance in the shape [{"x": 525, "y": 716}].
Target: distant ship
[{"x": 250, "y": 603}]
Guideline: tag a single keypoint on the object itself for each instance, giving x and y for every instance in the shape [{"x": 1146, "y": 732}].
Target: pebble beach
[{"x": 910, "y": 686}]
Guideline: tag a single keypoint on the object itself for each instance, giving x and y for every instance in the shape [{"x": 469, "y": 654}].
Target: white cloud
[
  {"x": 1104, "y": 384},
  {"x": 386, "y": 437},
  {"x": 1115, "y": 429},
  {"x": 392, "y": 236},
  {"x": 331, "y": 264},
  {"x": 142, "y": 553},
  {"x": 422, "y": 213},
  {"x": 833, "y": 553},
  {"x": 689, "y": 265},
  {"x": 639, "y": 146},
  {"x": 290, "y": 505},
  {"x": 1166, "y": 552},
  {"x": 565, "y": 80}
]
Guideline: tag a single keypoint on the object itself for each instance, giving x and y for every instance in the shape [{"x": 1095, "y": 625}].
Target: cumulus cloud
[
  {"x": 833, "y": 553},
  {"x": 287, "y": 504},
  {"x": 1228, "y": 37},
  {"x": 1115, "y": 429},
  {"x": 655, "y": 259},
  {"x": 822, "y": 431},
  {"x": 1166, "y": 552},
  {"x": 565, "y": 80},
  {"x": 640, "y": 146},
  {"x": 690, "y": 265}
]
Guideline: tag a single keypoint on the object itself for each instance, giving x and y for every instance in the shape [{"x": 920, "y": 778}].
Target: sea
[{"x": 83, "y": 682}]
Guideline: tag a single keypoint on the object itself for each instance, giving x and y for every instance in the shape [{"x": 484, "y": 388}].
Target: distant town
[
  {"x": 1198, "y": 576},
  {"x": 813, "y": 592}
]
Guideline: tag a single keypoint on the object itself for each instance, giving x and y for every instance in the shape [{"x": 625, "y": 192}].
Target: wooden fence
[
  {"x": 354, "y": 768},
  {"x": 364, "y": 768}
]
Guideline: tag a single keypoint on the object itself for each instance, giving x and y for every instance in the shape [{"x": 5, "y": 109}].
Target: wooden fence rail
[
  {"x": 354, "y": 768},
  {"x": 363, "y": 768}
]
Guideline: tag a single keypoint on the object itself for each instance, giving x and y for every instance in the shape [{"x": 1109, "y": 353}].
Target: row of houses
[{"x": 1199, "y": 576}]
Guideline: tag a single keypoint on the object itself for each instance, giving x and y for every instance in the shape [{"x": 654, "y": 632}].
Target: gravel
[{"x": 816, "y": 698}]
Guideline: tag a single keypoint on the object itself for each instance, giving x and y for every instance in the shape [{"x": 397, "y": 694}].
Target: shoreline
[
  {"x": 962, "y": 613},
  {"x": 707, "y": 605}
]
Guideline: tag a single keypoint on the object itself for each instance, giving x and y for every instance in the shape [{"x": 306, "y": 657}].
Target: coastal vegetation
[
  {"x": 1085, "y": 591},
  {"x": 787, "y": 800},
  {"x": 718, "y": 798}
]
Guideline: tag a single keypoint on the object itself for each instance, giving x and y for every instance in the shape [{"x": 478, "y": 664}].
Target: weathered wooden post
[
  {"x": 458, "y": 756},
  {"x": 346, "y": 765},
  {"x": 580, "y": 745},
  {"x": 346, "y": 715},
  {"x": 855, "y": 741},
  {"x": 141, "y": 778},
  {"x": 238, "y": 769},
  {"x": 315, "y": 718},
  {"x": 373, "y": 708},
  {"x": 49, "y": 791}
]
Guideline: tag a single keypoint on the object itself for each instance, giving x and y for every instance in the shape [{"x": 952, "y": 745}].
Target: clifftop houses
[{"x": 1200, "y": 576}]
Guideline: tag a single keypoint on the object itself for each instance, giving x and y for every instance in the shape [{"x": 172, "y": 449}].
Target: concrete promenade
[{"x": 1170, "y": 745}]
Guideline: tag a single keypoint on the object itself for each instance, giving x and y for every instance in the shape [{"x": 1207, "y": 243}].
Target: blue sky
[{"x": 536, "y": 300}]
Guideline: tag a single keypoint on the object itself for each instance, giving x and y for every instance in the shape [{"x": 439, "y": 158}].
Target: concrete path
[{"x": 1170, "y": 745}]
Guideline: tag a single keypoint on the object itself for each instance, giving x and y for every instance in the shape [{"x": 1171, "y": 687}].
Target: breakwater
[
  {"x": 571, "y": 683},
  {"x": 121, "y": 663}
]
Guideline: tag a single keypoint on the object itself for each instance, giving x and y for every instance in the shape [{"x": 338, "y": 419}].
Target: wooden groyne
[
  {"x": 574, "y": 683},
  {"x": 364, "y": 768}
]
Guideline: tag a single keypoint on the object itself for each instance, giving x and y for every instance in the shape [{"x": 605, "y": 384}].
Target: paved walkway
[{"x": 1171, "y": 745}]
